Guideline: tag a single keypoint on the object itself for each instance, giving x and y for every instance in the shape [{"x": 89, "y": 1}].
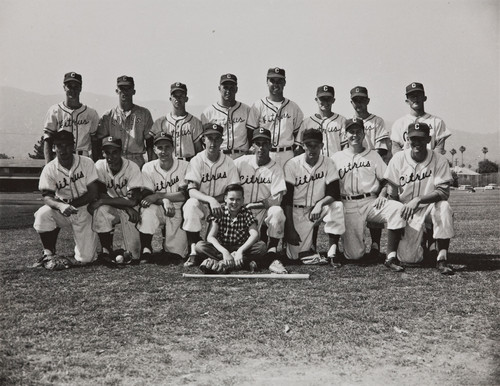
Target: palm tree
[
  {"x": 452, "y": 152},
  {"x": 484, "y": 150},
  {"x": 462, "y": 149}
]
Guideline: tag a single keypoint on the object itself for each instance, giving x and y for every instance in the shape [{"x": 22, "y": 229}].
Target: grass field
[{"x": 356, "y": 325}]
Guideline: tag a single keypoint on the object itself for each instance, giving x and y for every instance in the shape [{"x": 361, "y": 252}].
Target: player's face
[
  {"x": 72, "y": 90},
  {"x": 179, "y": 99},
  {"x": 64, "y": 151},
  {"x": 213, "y": 143},
  {"x": 234, "y": 201},
  {"x": 228, "y": 91},
  {"x": 325, "y": 102},
  {"x": 276, "y": 85},
  {"x": 355, "y": 135},
  {"x": 112, "y": 155},
  {"x": 360, "y": 104},
  {"x": 164, "y": 150},
  {"x": 312, "y": 150},
  {"x": 262, "y": 148},
  {"x": 419, "y": 147},
  {"x": 416, "y": 100},
  {"x": 125, "y": 93}
]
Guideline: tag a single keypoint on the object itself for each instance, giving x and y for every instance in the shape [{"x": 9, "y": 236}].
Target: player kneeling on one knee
[
  {"x": 233, "y": 238},
  {"x": 120, "y": 183},
  {"x": 312, "y": 196},
  {"x": 363, "y": 191},
  {"x": 420, "y": 178},
  {"x": 163, "y": 196},
  {"x": 68, "y": 185}
]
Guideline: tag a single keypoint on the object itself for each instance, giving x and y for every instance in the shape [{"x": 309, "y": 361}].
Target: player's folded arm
[{"x": 333, "y": 190}]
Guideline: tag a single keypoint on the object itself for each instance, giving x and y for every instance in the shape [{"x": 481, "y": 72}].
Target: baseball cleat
[
  {"x": 444, "y": 269},
  {"x": 47, "y": 255},
  {"x": 191, "y": 261},
  {"x": 278, "y": 267},
  {"x": 393, "y": 264},
  {"x": 252, "y": 266}
]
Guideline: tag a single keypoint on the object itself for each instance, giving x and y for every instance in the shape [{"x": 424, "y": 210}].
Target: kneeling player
[
  {"x": 233, "y": 239},
  {"x": 420, "y": 179},
  {"x": 313, "y": 195},
  {"x": 361, "y": 173},
  {"x": 121, "y": 183},
  {"x": 163, "y": 197}
]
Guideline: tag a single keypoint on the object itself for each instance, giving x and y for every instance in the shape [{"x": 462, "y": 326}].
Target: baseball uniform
[
  {"x": 158, "y": 180},
  {"x": 68, "y": 185},
  {"x": 185, "y": 131},
  {"x": 264, "y": 183},
  {"x": 376, "y": 135},
  {"x": 332, "y": 129},
  {"x": 118, "y": 185},
  {"x": 360, "y": 176},
  {"x": 309, "y": 187},
  {"x": 419, "y": 179},
  {"x": 132, "y": 127},
  {"x": 82, "y": 122},
  {"x": 211, "y": 179}
]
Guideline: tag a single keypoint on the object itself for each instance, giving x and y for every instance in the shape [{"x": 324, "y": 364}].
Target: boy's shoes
[
  {"x": 212, "y": 266},
  {"x": 278, "y": 267},
  {"x": 252, "y": 267}
]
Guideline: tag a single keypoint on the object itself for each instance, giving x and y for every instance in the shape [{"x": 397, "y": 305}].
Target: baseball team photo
[{"x": 236, "y": 193}]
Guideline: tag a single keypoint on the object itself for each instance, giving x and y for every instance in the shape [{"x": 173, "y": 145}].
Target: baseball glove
[{"x": 213, "y": 266}]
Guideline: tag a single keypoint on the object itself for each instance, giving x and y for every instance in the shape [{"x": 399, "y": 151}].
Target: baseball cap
[
  {"x": 359, "y": 91},
  {"x": 418, "y": 130},
  {"x": 414, "y": 87},
  {"x": 178, "y": 86},
  {"x": 276, "y": 72},
  {"x": 111, "y": 142},
  {"x": 354, "y": 122},
  {"x": 72, "y": 77},
  {"x": 212, "y": 128},
  {"x": 325, "y": 91},
  {"x": 125, "y": 80},
  {"x": 228, "y": 78},
  {"x": 310, "y": 135},
  {"x": 63, "y": 136},
  {"x": 261, "y": 133},
  {"x": 163, "y": 136}
]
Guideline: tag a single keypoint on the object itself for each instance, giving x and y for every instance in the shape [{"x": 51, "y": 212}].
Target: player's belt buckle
[
  {"x": 281, "y": 149},
  {"x": 359, "y": 197}
]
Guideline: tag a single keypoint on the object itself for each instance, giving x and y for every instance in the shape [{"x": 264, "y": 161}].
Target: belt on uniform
[
  {"x": 79, "y": 152},
  {"x": 359, "y": 197},
  {"x": 281, "y": 149},
  {"x": 233, "y": 151},
  {"x": 300, "y": 206},
  {"x": 184, "y": 158}
]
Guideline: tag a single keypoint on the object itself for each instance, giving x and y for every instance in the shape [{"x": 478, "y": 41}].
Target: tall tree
[
  {"x": 452, "y": 152},
  {"x": 462, "y": 149},
  {"x": 484, "y": 150},
  {"x": 38, "y": 147},
  {"x": 487, "y": 166}
]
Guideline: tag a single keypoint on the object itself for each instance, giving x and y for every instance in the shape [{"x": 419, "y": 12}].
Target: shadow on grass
[{"x": 475, "y": 262}]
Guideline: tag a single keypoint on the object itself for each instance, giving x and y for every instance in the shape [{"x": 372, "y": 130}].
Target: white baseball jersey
[
  {"x": 185, "y": 131},
  {"x": 233, "y": 120},
  {"x": 283, "y": 119},
  {"x": 260, "y": 182},
  {"x": 438, "y": 128},
  {"x": 375, "y": 133},
  {"x": 132, "y": 127},
  {"x": 359, "y": 173},
  {"x": 70, "y": 184},
  {"x": 159, "y": 180},
  {"x": 118, "y": 185},
  {"x": 309, "y": 181},
  {"x": 415, "y": 179},
  {"x": 212, "y": 177},
  {"x": 81, "y": 122},
  {"x": 333, "y": 130}
]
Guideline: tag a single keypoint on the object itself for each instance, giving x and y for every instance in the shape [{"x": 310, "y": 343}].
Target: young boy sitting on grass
[{"x": 233, "y": 239}]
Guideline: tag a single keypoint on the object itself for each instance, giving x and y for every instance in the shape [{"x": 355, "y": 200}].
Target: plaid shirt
[{"x": 234, "y": 231}]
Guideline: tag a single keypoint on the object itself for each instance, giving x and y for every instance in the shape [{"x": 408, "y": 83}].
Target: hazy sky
[{"x": 452, "y": 47}]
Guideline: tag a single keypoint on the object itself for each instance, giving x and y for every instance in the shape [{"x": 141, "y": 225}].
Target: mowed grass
[{"x": 356, "y": 325}]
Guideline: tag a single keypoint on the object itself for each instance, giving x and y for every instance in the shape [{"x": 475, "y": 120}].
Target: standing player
[
  {"x": 421, "y": 181},
  {"x": 120, "y": 181},
  {"x": 416, "y": 98},
  {"x": 279, "y": 115},
  {"x": 231, "y": 115},
  {"x": 68, "y": 185},
  {"x": 128, "y": 122},
  {"x": 264, "y": 185},
  {"x": 361, "y": 173},
  {"x": 329, "y": 123},
  {"x": 163, "y": 196},
  {"x": 184, "y": 128},
  {"x": 73, "y": 116},
  {"x": 208, "y": 174},
  {"x": 312, "y": 196}
]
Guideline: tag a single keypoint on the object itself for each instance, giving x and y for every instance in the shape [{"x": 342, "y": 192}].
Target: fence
[{"x": 479, "y": 180}]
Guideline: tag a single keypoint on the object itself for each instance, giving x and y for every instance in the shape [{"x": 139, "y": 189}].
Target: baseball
[{"x": 119, "y": 259}]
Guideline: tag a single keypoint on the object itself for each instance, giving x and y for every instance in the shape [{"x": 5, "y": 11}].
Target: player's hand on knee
[
  {"x": 238, "y": 258},
  {"x": 315, "y": 214},
  {"x": 67, "y": 210},
  {"x": 380, "y": 202},
  {"x": 409, "y": 209},
  {"x": 133, "y": 215},
  {"x": 215, "y": 208},
  {"x": 228, "y": 259}
]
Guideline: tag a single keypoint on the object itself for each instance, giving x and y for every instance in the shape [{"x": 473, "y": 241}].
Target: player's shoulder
[
  {"x": 55, "y": 108},
  {"x": 149, "y": 166},
  {"x": 130, "y": 166},
  {"x": 243, "y": 161},
  {"x": 100, "y": 164},
  {"x": 403, "y": 122}
]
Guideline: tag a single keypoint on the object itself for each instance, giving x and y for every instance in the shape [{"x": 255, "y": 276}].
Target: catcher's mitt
[{"x": 213, "y": 266}]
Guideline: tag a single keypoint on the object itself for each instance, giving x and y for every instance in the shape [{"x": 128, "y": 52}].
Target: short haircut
[{"x": 233, "y": 188}]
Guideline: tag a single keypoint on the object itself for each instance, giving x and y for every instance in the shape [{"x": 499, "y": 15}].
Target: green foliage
[
  {"x": 4, "y": 156},
  {"x": 487, "y": 166},
  {"x": 38, "y": 147}
]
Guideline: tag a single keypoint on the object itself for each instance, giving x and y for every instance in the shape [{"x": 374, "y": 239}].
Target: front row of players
[{"x": 250, "y": 203}]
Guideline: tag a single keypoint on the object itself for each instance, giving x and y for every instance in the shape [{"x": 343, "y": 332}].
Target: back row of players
[{"x": 344, "y": 191}]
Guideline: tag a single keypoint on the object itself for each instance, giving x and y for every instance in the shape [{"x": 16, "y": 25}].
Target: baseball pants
[
  {"x": 274, "y": 218},
  {"x": 175, "y": 238},
  {"x": 105, "y": 219},
  {"x": 256, "y": 252},
  {"x": 333, "y": 217},
  {"x": 86, "y": 240},
  {"x": 440, "y": 215},
  {"x": 194, "y": 213},
  {"x": 357, "y": 213}
]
